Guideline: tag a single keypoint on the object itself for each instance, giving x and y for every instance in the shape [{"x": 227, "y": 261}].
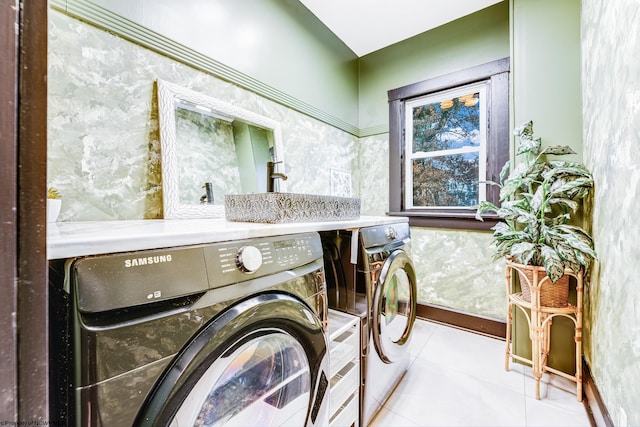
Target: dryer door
[
  {"x": 263, "y": 362},
  {"x": 394, "y": 307}
]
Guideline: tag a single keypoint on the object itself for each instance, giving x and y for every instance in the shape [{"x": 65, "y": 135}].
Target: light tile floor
[{"x": 457, "y": 378}]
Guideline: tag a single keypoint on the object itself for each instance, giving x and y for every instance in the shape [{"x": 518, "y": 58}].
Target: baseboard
[
  {"x": 593, "y": 403},
  {"x": 474, "y": 323}
]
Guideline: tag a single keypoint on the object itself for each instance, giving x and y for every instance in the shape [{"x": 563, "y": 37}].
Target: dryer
[
  {"x": 390, "y": 281},
  {"x": 370, "y": 274},
  {"x": 229, "y": 333}
]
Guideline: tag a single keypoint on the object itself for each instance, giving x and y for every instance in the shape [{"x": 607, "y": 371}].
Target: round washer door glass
[
  {"x": 394, "y": 306},
  {"x": 265, "y": 381}
]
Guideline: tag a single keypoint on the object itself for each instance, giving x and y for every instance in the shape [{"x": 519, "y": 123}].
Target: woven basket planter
[{"x": 551, "y": 294}]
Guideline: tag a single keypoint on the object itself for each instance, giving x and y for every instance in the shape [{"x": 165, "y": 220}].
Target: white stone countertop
[{"x": 73, "y": 239}]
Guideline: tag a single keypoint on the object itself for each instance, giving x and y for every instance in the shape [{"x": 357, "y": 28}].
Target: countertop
[{"x": 74, "y": 239}]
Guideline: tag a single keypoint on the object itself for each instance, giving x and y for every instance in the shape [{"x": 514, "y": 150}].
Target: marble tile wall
[
  {"x": 456, "y": 271},
  {"x": 104, "y": 155},
  {"x": 104, "y": 148},
  {"x": 611, "y": 117},
  {"x": 374, "y": 174}
]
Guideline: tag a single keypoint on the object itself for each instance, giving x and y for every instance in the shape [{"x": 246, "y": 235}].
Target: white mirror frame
[{"x": 168, "y": 93}]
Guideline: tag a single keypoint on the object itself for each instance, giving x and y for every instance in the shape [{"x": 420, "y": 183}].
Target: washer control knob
[
  {"x": 249, "y": 259},
  {"x": 391, "y": 233}
]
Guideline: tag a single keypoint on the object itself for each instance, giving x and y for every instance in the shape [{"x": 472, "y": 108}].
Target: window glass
[{"x": 446, "y": 139}]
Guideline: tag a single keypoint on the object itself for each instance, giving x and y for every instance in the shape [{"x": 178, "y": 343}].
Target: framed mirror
[{"x": 211, "y": 148}]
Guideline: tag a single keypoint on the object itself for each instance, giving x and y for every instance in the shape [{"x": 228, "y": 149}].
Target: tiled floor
[{"x": 457, "y": 378}]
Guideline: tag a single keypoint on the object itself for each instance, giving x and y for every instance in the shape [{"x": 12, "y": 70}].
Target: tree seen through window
[{"x": 446, "y": 143}]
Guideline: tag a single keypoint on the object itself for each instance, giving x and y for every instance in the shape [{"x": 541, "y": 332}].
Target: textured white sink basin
[{"x": 289, "y": 207}]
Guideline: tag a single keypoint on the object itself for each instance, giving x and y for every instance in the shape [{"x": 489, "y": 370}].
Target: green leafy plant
[
  {"x": 52, "y": 193},
  {"x": 538, "y": 200}
]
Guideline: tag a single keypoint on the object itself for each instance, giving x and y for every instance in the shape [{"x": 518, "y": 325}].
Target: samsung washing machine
[
  {"x": 224, "y": 334},
  {"x": 369, "y": 274}
]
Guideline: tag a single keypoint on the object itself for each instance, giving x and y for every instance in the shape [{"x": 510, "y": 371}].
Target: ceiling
[{"x": 369, "y": 25}]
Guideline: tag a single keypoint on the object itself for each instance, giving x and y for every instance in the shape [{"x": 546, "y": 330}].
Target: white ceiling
[{"x": 368, "y": 25}]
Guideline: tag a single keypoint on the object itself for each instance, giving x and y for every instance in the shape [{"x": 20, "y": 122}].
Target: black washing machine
[
  {"x": 369, "y": 274},
  {"x": 226, "y": 334}
]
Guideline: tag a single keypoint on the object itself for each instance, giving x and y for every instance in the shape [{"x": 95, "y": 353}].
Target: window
[
  {"x": 448, "y": 135},
  {"x": 445, "y": 142}
]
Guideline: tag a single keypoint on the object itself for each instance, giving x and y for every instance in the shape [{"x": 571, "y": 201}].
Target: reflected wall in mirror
[{"x": 211, "y": 148}]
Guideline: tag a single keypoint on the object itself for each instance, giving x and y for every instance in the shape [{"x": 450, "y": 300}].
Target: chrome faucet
[
  {"x": 207, "y": 198},
  {"x": 272, "y": 175}
]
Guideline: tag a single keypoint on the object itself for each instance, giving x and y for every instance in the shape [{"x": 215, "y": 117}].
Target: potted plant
[
  {"x": 538, "y": 200},
  {"x": 54, "y": 203}
]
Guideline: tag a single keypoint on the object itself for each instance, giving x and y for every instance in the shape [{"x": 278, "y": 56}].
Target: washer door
[
  {"x": 261, "y": 363},
  {"x": 394, "y": 307},
  {"x": 264, "y": 381}
]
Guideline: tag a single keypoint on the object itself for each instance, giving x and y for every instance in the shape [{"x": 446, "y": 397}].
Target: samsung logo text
[{"x": 136, "y": 262}]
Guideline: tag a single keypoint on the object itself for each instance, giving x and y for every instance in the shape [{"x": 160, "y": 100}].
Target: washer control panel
[
  {"x": 236, "y": 261},
  {"x": 110, "y": 282},
  {"x": 248, "y": 259}
]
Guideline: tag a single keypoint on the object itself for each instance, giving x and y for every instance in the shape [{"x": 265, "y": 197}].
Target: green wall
[
  {"x": 468, "y": 41},
  {"x": 545, "y": 65},
  {"x": 278, "y": 48},
  {"x": 611, "y": 129}
]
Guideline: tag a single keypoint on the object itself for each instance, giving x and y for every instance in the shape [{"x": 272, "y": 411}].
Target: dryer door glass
[
  {"x": 394, "y": 306},
  {"x": 395, "y": 314},
  {"x": 265, "y": 381}
]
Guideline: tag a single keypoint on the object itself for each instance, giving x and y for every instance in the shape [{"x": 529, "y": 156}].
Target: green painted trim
[
  {"x": 374, "y": 130},
  {"x": 129, "y": 30}
]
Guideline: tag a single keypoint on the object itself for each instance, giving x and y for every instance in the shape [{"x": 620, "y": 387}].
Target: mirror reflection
[
  {"x": 206, "y": 154},
  {"x": 209, "y": 149}
]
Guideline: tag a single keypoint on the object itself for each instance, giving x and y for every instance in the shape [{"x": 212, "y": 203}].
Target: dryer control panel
[{"x": 385, "y": 237}]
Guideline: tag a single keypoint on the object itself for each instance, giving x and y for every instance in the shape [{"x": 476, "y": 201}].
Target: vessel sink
[{"x": 289, "y": 207}]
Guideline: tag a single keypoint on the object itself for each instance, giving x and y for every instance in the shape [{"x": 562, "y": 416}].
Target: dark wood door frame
[
  {"x": 8, "y": 202},
  {"x": 23, "y": 169}
]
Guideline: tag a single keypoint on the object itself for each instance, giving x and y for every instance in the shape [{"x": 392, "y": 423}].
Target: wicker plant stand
[{"x": 539, "y": 319}]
